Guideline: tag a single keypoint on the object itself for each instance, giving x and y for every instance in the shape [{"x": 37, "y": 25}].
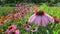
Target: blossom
[
  {"x": 18, "y": 9},
  {"x": 18, "y": 4},
  {"x": 9, "y": 31},
  {"x": 25, "y": 24},
  {"x": 41, "y": 18},
  {"x": 3, "y": 22},
  {"x": 12, "y": 29},
  {"x": 34, "y": 29},
  {"x": 12, "y": 26},
  {"x": 22, "y": 14},
  {"x": 17, "y": 31},
  {"x": 15, "y": 15},
  {"x": 28, "y": 28}
]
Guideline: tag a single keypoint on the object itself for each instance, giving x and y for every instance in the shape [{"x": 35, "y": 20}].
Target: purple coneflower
[
  {"x": 12, "y": 29},
  {"x": 22, "y": 14},
  {"x": 41, "y": 18}
]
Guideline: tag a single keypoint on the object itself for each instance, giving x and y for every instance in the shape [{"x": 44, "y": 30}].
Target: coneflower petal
[
  {"x": 37, "y": 20},
  {"x": 17, "y": 32},
  {"x": 32, "y": 18},
  {"x": 49, "y": 18},
  {"x": 45, "y": 21}
]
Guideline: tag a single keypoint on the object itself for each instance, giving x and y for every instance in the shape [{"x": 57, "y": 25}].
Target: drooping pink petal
[
  {"x": 45, "y": 21},
  {"x": 9, "y": 31},
  {"x": 49, "y": 18},
  {"x": 32, "y": 18},
  {"x": 37, "y": 20},
  {"x": 17, "y": 32}
]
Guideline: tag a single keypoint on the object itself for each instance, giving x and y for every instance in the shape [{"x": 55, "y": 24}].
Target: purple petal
[
  {"x": 49, "y": 18},
  {"x": 45, "y": 21},
  {"x": 32, "y": 18},
  {"x": 17, "y": 32},
  {"x": 37, "y": 20},
  {"x": 10, "y": 31}
]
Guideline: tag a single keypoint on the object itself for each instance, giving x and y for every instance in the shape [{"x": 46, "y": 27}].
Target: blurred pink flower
[
  {"x": 41, "y": 18},
  {"x": 5, "y": 21},
  {"x": 17, "y": 32},
  {"x": 17, "y": 9},
  {"x": 34, "y": 29},
  {"x": 15, "y": 15},
  {"x": 10, "y": 15},
  {"x": 9, "y": 31},
  {"x": 1, "y": 24},
  {"x": 22, "y": 14},
  {"x": 28, "y": 28},
  {"x": 14, "y": 26},
  {"x": 12, "y": 31},
  {"x": 26, "y": 5},
  {"x": 18, "y": 5},
  {"x": 31, "y": 9}
]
